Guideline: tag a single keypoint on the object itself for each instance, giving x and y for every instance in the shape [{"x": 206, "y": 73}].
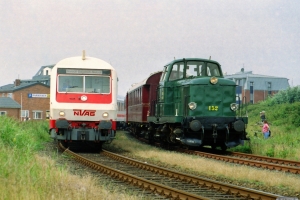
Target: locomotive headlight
[
  {"x": 234, "y": 106},
  {"x": 192, "y": 105},
  {"x": 213, "y": 80},
  {"x": 105, "y": 115},
  {"x": 61, "y": 113}
]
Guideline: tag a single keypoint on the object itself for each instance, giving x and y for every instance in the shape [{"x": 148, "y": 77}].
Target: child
[{"x": 265, "y": 129}]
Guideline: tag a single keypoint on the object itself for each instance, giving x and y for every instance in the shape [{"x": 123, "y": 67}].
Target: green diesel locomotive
[{"x": 189, "y": 103}]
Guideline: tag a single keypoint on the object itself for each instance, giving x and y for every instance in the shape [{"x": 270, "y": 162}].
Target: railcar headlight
[
  {"x": 213, "y": 80},
  {"x": 234, "y": 106},
  {"x": 192, "y": 105},
  {"x": 61, "y": 113},
  {"x": 105, "y": 115}
]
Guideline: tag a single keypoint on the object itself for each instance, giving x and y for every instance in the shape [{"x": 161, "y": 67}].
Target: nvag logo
[{"x": 78, "y": 112}]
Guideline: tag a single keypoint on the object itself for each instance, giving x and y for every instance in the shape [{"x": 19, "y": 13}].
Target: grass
[
  {"x": 285, "y": 139},
  {"x": 24, "y": 174}
]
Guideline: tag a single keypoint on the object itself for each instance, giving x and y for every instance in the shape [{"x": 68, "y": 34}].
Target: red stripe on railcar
[{"x": 76, "y": 98}]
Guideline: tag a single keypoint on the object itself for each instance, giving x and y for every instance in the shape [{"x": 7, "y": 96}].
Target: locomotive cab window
[
  {"x": 200, "y": 68},
  {"x": 213, "y": 70},
  {"x": 177, "y": 71},
  {"x": 195, "y": 68}
]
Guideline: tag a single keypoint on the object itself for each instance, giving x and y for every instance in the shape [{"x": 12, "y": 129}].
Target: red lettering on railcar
[{"x": 78, "y": 112}]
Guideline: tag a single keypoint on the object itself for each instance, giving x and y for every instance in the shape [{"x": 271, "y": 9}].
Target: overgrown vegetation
[
  {"x": 283, "y": 114},
  {"x": 26, "y": 175}
]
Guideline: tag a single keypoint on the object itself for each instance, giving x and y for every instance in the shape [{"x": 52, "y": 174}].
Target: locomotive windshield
[
  {"x": 200, "y": 68},
  {"x": 181, "y": 70},
  {"x": 90, "y": 82}
]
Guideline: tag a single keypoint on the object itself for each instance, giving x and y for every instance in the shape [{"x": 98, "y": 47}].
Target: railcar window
[
  {"x": 97, "y": 84},
  {"x": 88, "y": 84},
  {"x": 177, "y": 71}
]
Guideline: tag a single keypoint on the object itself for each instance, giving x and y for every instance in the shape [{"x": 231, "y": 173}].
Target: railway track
[
  {"x": 162, "y": 182},
  {"x": 251, "y": 160},
  {"x": 264, "y": 162}
]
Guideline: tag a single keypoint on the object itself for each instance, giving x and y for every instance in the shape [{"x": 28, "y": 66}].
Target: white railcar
[{"x": 83, "y": 101}]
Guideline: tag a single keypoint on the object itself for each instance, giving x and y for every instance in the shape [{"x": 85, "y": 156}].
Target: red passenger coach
[
  {"x": 83, "y": 101},
  {"x": 139, "y": 98}
]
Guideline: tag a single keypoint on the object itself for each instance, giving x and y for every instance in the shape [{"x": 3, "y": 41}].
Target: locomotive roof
[
  {"x": 77, "y": 62},
  {"x": 190, "y": 59}
]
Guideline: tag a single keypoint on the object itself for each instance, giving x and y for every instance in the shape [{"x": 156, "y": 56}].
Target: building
[
  {"x": 33, "y": 99},
  {"x": 255, "y": 88},
  {"x": 32, "y": 95}
]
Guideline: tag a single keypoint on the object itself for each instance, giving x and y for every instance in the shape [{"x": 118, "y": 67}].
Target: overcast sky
[{"x": 139, "y": 37}]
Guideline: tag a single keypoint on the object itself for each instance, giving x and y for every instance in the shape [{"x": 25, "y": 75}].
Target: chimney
[{"x": 17, "y": 82}]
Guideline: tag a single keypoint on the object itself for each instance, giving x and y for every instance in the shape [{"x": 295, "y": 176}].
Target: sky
[{"x": 139, "y": 37}]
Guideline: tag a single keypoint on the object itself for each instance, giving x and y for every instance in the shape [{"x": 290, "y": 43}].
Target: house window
[
  {"x": 269, "y": 88},
  {"x": 37, "y": 114},
  {"x": 251, "y": 92},
  {"x": 2, "y": 113},
  {"x": 47, "y": 114},
  {"x": 9, "y": 95},
  {"x": 24, "y": 113}
]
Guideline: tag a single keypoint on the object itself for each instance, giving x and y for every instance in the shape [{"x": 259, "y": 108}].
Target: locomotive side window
[
  {"x": 164, "y": 73},
  {"x": 177, "y": 71}
]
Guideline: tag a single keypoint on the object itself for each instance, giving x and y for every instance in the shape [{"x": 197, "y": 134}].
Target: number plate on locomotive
[{"x": 213, "y": 108}]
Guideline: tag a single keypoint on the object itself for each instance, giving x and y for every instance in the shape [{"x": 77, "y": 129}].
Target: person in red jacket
[{"x": 265, "y": 129}]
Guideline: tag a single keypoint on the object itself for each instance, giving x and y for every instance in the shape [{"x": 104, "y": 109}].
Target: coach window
[
  {"x": 37, "y": 114},
  {"x": 2, "y": 113},
  {"x": 177, "y": 71}
]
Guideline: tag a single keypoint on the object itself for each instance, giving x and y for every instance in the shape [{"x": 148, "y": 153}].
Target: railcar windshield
[{"x": 92, "y": 81}]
